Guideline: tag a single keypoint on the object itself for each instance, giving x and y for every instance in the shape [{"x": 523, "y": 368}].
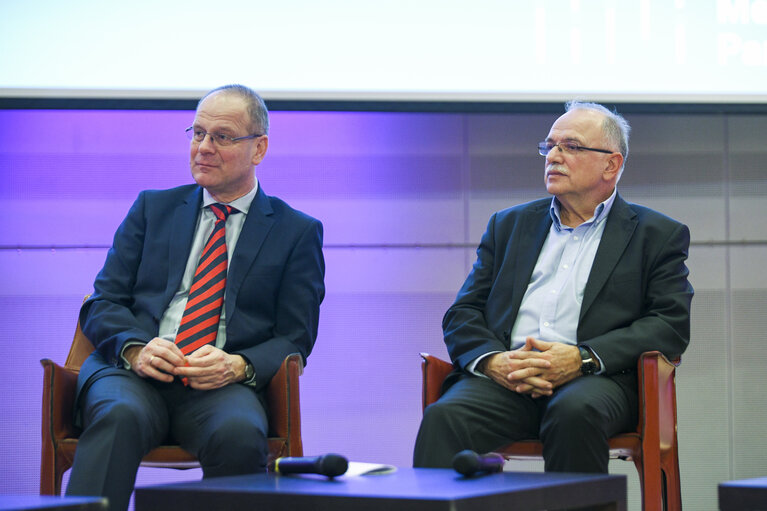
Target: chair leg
[
  {"x": 59, "y": 476},
  {"x": 652, "y": 488},
  {"x": 48, "y": 476},
  {"x": 673, "y": 493},
  {"x": 52, "y": 474}
]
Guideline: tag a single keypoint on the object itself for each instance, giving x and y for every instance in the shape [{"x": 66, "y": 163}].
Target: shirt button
[
  {"x": 575, "y": 238},
  {"x": 546, "y": 323}
]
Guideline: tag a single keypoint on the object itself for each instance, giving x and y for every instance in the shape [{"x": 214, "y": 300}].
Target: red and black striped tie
[{"x": 199, "y": 324}]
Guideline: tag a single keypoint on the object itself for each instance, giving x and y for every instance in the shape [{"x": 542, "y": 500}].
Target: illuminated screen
[{"x": 504, "y": 50}]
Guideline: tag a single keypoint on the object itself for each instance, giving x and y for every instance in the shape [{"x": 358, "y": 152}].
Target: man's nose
[
  {"x": 555, "y": 155},
  {"x": 207, "y": 145}
]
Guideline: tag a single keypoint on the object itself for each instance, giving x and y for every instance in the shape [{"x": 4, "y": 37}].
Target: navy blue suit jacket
[
  {"x": 274, "y": 288},
  {"x": 637, "y": 297}
]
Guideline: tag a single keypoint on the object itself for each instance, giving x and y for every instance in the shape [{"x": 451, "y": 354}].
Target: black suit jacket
[
  {"x": 637, "y": 297},
  {"x": 275, "y": 282}
]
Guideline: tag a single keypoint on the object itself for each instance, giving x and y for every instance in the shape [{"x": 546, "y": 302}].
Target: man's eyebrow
[
  {"x": 566, "y": 139},
  {"x": 220, "y": 129}
]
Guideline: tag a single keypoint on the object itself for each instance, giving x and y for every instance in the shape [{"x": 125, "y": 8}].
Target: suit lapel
[
  {"x": 535, "y": 229},
  {"x": 619, "y": 229},
  {"x": 258, "y": 223},
  {"x": 181, "y": 236}
]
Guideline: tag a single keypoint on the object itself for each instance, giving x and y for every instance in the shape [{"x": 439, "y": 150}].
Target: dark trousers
[
  {"x": 125, "y": 416},
  {"x": 574, "y": 424}
]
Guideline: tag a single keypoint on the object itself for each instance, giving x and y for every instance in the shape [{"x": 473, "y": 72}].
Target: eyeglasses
[
  {"x": 221, "y": 140},
  {"x": 544, "y": 148}
]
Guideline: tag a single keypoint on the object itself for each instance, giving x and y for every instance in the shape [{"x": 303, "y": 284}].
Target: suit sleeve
[
  {"x": 663, "y": 321},
  {"x": 467, "y": 333},
  {"x": 106, "y": 317},
  {"x": 297, "y": 307}
]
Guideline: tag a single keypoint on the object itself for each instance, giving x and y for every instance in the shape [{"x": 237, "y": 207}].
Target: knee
[
  {"x": 437, "y": 414},
  {"x": 574, "y": 418},
  {"x": 237, "y": 446},
  {"x": 574, "y": 436},
  {"x": 238, "y": 435},
  {"x": 121, "y": 417},
  {"x": 440, "y": 422},
  {"x": 440, "y": 436},
  {"x": 122, "y": 420}
]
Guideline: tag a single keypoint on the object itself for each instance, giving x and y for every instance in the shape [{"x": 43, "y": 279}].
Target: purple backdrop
[
  {"x": 389, "y": 188},
  {"x": 404, "y": 198}
]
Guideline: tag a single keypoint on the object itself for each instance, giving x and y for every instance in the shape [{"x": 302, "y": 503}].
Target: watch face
[{"x": 588, "y": 366}]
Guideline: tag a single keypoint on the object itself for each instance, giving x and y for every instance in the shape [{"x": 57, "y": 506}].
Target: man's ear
[
  {"x": 262, "y": 144},
  {"x": 613, "y": 166}
]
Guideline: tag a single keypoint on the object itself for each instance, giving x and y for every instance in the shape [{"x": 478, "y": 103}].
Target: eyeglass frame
[
  {"x": 570, "y": 148},
  {"x": 217, "y": 141}
]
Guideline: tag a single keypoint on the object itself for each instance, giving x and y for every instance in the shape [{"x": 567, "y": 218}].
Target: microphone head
[
  {"x": 466, "y": 462},
  {"x": 333, "y": 465}
]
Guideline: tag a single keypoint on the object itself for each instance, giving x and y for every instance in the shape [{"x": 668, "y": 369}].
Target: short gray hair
[
  {"x": 615, "y": 127},
  {"x": 257, "y": 111}
]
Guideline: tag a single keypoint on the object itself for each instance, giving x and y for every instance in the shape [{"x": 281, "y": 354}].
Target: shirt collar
[
  {"x": 600, "y": 213},
  {"x": 242, "y": 204}
]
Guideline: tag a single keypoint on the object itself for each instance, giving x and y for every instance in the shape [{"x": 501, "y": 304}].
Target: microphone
[
  {"x": 330, "y": 465},
  {"x": 469, "y": 462}
]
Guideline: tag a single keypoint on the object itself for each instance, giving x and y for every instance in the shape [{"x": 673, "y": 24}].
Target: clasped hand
[
  {"x": 537, "y": 368},
  {"x": 204, "y": 369}
]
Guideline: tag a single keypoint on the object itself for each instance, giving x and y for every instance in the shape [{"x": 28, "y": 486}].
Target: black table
[
  {"x": 406, "y": 489},
  {"x": 743, "y": 495},
  {"x": 28, "y": 502}
]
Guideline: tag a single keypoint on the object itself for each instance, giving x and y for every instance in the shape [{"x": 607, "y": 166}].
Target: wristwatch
[
  {"x": 250, "y": 373},
  {"x": 588, "y": 366}
]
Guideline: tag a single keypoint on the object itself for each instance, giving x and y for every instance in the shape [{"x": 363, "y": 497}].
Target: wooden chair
[
  {"x": 59, "y": 435},
  {"x": 652, "y": 447}
]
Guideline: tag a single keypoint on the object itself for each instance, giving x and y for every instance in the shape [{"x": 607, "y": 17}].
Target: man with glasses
[
  {"x": 564, "y": 296},
  {"x": 206, "y": 289}
]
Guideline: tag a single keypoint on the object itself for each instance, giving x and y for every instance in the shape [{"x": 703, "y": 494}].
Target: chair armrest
[
  {"x": 434, "y": 370},
  {"x": 283, "y": 399},
  {"x": 657, "y": 399},
  {"x": 59, "y": 385}
]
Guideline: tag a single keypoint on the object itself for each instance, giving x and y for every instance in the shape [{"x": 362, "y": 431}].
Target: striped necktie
[{"x": 199, "y": 324}]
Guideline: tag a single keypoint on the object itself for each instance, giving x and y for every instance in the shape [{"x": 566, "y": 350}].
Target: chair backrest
[
  {"x": 79, "y": 351},
  {"x": 434, "y": 371}
]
